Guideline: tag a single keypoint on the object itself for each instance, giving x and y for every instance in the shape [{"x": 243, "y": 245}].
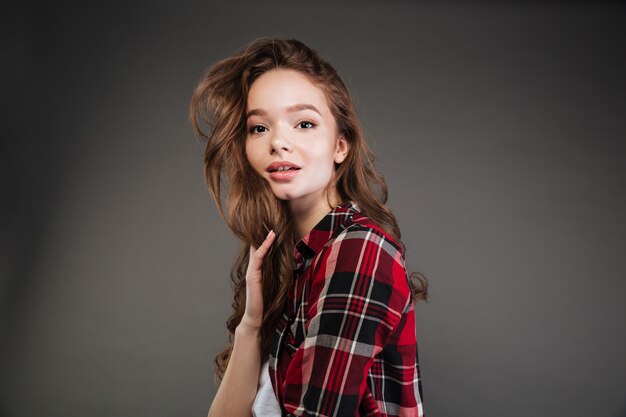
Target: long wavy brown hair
[{"x": 217, "y": 112}]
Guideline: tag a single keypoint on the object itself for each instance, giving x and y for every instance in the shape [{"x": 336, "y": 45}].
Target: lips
[
  {"x": 282, "y": 170},
  {"x": 282, "y": 166}
]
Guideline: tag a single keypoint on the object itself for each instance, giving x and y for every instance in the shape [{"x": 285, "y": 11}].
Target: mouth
[
  {"x": 283, "y": 174},
  {"x": 283, "y": 169},
  {"x": 282, "y": 166}
]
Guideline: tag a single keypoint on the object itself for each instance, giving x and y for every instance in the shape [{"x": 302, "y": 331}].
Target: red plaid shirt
[{"x": 345, "y": 345}]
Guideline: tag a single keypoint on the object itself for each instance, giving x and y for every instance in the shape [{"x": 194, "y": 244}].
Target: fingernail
[{"x": 270, "y": 232}]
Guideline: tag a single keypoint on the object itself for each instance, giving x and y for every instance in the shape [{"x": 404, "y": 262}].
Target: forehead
[{"x": 281, "y": 88}]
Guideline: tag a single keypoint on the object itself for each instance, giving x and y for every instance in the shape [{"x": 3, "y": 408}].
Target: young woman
[{"x": 323, "y": 321}]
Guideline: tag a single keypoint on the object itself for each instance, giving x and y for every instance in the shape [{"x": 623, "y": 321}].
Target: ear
[{"x": 341, "y": 151}]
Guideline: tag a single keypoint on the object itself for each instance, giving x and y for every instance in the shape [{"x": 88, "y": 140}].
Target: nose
[{"x": 280, "y": 142}]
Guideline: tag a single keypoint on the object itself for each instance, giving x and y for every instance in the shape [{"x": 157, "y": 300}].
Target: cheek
[
  {"x": 319, "y": 150},
  {"x": 325, "y": 158},
  {"x": 247, "y": 149},
  {"x": 251, "y": 155},
  {"x": 323, "y": 164}
]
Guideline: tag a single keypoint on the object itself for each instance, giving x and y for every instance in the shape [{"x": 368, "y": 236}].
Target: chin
[{"x": 282, "y": 196}]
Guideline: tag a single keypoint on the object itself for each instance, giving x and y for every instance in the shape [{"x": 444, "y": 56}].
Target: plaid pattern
[{"x": 345, "y": 345}]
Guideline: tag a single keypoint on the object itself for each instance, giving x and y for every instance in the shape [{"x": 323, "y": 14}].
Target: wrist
[{"x": 248, "y": 328}]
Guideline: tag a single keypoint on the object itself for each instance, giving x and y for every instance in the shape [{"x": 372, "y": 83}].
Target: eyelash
[{"x": 252, "y": 130}]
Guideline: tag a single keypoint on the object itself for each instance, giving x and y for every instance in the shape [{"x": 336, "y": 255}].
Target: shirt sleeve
[{"x": 358, "y": 293}]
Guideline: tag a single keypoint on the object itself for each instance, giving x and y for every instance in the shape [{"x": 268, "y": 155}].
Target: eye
[
  {"x": 306, "y": 125},
  {"x": 257, "y": 129}
]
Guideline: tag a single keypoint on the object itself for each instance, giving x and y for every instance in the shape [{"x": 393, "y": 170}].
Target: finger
[
  {"x": 258, "y": 254},
  {"x": 252, "y": 251}
]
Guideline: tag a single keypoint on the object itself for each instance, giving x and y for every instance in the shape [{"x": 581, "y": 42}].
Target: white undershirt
[{"x": 265, "y": 404}]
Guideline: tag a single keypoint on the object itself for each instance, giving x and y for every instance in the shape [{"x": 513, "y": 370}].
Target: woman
[{"x": 323, "y": 320}]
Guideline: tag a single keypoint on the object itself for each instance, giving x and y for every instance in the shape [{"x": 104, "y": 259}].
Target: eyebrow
[{"x": 290, "y": 109}]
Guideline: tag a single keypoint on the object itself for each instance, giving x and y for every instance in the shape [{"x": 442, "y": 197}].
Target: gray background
[{"x": 498, "y": 126}]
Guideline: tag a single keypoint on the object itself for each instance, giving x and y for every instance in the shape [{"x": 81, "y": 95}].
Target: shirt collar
[{"x": 334, "y": 221}]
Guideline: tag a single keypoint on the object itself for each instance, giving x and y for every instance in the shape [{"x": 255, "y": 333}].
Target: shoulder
[
  {"x": 363, "y": 251},
  {"x": 363, "y": 227},
  {"x": 360, "y": 233},
  {"x": 361, "y": 270}
]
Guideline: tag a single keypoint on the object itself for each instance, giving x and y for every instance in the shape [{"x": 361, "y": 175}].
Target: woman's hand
[
  {"x": 253, "y": 315},
  {"x": 236, "y": 393}
]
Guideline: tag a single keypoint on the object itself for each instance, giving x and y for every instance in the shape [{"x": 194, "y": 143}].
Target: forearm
[{"x": 237, "y": 390}]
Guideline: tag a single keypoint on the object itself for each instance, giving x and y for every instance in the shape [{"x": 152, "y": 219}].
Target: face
[{"x": 289, "y": 124}]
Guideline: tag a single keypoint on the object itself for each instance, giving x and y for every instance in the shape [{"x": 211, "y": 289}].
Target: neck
[{"x": 307, "y": 214}]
